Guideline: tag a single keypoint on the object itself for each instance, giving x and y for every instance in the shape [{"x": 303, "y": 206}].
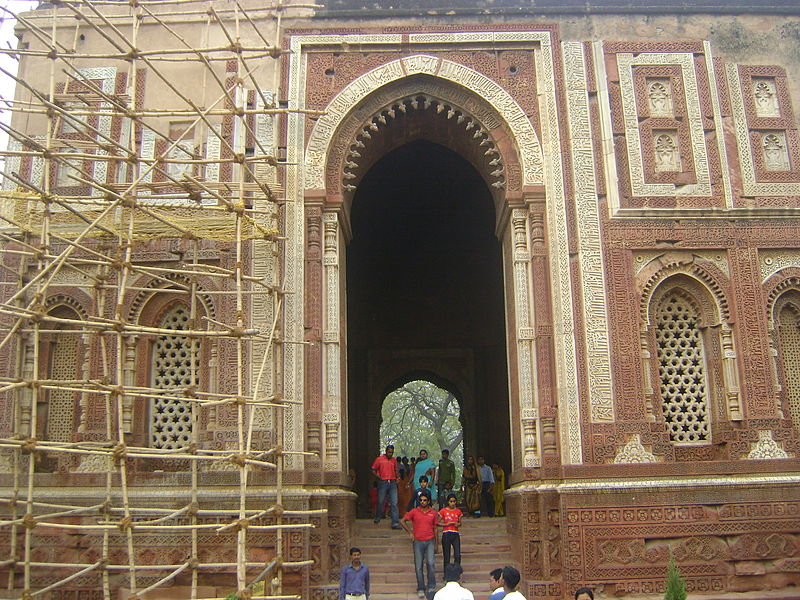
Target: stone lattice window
[
  {"x": 175, "y": 367},
  {"x": 682, "y": 371},
  {"x": 790, "y": 349},
  {"x": 61, "y": 403}
]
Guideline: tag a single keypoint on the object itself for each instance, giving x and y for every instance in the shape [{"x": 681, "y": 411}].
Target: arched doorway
[
  {"x": 422, "y": 98},
  {"x": 425, "y": 293}
]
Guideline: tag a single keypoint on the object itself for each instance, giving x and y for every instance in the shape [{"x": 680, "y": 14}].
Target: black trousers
[
  {"x": 451, "y": 539},
  {"x": 487, "y": 500}
]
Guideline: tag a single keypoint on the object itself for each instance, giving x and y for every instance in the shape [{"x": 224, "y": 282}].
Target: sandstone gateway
[{"x": 229, "y": 229}]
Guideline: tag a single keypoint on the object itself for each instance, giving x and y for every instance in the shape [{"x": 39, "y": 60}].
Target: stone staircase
[{"x": 388, "y": 554}]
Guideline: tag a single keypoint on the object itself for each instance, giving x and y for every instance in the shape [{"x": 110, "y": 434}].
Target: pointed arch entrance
[
  {"x": 481, "y": 123},
  {"x": 425, "y": 291},
  {"x": 422, "y": 177}
]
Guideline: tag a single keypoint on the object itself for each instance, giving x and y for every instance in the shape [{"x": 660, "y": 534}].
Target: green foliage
[
  {"x": 423, "y": 415},
  {"x": 676, "y": 587}
]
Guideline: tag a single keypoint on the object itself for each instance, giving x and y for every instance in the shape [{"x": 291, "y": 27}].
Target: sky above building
[{"x": 8, "y": 8}]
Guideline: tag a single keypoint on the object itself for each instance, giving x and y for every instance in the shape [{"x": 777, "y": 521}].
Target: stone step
[
  {"x": 404, "y": 573},
  {"x": 377, "y": 565},
  {"x": 476, "y": 584},
  {"x": 468, "y": 542},
  {"x": 389, "y": 555}
]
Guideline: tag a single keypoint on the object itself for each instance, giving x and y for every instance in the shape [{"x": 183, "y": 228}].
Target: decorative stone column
[
  {"x": 334, "y": 405},
  {"x": 647, "y": 365},
  {"x": 526, "y": 385},
  {"x": 730, "y": 374},
  {"x": 129, "y": 375}
]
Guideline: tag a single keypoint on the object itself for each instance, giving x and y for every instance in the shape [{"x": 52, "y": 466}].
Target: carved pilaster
[
  {"x": 647, "y": 366},
  {"x": 331, "y": 422},
  {"x": 543, "y": 329},
  {"x": 530, "y": 437},
  {"x": 213, "y": 366},
  {"x": 332, "y": 351},
  {"x": 730, "y": 374},
  {"x": 537, "y": 230},
  {"x": 86, "y": 369},
  {"x": 314, "y": 310},
  {"x": 519, "y": 219},
  {"x": 314, "y": 436},
  {"x": 776, "y": 378},
  {"x": 26, "y": 395},
  {"x": 129, "y": 380},
  {"x": 549, "y": 439},
  {"x": 525, "y": 333}
]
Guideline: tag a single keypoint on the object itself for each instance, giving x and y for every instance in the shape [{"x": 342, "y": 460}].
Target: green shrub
[{"x": 676, "y": 587}]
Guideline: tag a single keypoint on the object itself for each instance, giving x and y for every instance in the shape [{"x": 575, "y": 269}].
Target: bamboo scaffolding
[
  {"x": 203, "y": 566},
  {"x": 150, "y": 510},
  {"x": 78, "y": 223}
]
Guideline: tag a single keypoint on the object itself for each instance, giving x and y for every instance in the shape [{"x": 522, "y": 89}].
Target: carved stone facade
[
  {"x": 646, "y": 197},
  {"x": 632, "y": 132}
]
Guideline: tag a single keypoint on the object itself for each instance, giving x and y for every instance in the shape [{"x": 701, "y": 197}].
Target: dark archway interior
[{"x": 425, "y": 283}]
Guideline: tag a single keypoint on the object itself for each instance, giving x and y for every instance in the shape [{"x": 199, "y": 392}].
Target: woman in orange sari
[
  {"x": 404, "y": 489},
  {"x": 471, "y": 480},
  {"x": 498, "y": 489}
]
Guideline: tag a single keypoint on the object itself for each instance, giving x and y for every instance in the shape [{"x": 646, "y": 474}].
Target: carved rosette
[
  {"x": 634, "y": 452},
  {"x": 766, "y": 447}
]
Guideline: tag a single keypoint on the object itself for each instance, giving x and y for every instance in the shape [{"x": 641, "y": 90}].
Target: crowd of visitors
[
  {"x": 480, "y": 492},
  {"x": 409, "y": 490}
]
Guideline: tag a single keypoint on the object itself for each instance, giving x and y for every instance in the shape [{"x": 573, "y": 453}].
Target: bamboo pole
[
  {"x": 53, "y": 586},
  {"x": 203, "y": 567},
  {"x": 62, "y": 247}
]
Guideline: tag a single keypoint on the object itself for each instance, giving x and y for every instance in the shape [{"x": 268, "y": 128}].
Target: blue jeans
[
  {"x": 424, "y": 550},
  {"x": 387, "y": 487}
]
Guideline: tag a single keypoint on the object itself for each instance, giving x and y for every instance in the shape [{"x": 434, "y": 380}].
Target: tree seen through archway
[{"x": 422, "y": 415}]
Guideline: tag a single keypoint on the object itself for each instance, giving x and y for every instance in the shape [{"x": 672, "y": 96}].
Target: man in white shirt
[
  {"x": 452, "y": 589},
  {"x": 510, "y": 583}
]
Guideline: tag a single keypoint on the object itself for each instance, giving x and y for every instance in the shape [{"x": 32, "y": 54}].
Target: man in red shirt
[
  {"x": 423, "y": 520},
  {"x": 385, "y": 469}
]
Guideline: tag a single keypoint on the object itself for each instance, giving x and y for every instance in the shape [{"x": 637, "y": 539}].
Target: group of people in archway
[
  {"x": 480, "y": 493},
  {"x": 420, "y": 519}
]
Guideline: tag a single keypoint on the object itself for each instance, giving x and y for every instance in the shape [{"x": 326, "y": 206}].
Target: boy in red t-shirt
[
  {"x": 423, "y": 535},
  {"x": 450, "y": 520}
]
